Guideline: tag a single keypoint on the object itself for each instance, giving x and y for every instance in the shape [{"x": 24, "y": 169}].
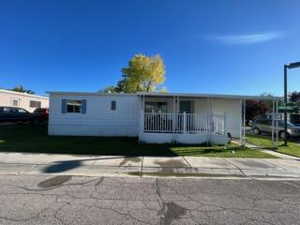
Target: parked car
[
  {"x": 41, "y": 115},
  {"x": 265, "y": 125},
  {"x": 15, "y": 114}
]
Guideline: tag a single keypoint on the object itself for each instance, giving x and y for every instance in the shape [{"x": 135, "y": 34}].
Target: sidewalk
[{"x": 50, "y": 164}]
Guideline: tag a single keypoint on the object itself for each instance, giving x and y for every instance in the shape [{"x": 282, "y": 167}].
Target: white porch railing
[{"x": 184, "y": 123}]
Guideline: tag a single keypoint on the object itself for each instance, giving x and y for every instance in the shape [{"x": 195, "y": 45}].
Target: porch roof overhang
[{"x": 202, "y": 95}]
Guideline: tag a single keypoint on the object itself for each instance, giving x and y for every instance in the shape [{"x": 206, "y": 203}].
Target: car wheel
[
  {"x": 283, "y": 135},
  {"x": 256, "y": 131}
]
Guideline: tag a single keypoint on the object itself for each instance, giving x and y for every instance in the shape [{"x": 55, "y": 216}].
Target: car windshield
[{"x": 281, "y": 123}]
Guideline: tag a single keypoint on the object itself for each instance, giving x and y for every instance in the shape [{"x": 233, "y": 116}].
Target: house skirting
[{"x": 161, "y": 138}]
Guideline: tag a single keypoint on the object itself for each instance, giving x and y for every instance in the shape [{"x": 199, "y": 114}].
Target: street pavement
[{"x": 70, "y": 200}]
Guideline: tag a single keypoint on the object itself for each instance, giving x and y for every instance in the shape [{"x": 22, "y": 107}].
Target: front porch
[{"x": 182, "y": 120}]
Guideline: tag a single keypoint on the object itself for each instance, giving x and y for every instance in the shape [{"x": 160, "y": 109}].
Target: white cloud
[{"x": 249, "y": 38}]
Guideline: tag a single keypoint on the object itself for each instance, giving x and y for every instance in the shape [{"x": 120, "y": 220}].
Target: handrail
[{"x": 185, "y": 123}]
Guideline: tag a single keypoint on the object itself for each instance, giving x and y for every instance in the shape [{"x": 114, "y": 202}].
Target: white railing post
[
  {"x": 184, "y": 122},
  {"x": 224, "y": 124}
]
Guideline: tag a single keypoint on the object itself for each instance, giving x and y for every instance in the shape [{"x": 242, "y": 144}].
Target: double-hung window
[
  {"x": 73, "y": 106},
  {"x": 35, "y": 104}
]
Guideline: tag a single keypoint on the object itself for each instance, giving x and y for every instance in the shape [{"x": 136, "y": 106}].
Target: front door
[{"x": 185, "y": 106}]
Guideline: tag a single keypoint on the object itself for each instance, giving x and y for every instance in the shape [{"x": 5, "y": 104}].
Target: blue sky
[{"x": 209, "y": 46}]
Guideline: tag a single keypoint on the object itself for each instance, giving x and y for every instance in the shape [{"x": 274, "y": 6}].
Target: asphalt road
[{"x": 112, "y": 201}]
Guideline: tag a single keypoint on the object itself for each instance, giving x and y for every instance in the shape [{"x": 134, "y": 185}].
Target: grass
[
  {"x": 174, "y": 174},
  {"x": 35, "y": 140},
  {"x": 264, "y": 141}
]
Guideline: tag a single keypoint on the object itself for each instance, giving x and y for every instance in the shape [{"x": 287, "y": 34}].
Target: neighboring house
[
  {"x": 23, "y": 100},
  {"x": 152, "y": 117}
]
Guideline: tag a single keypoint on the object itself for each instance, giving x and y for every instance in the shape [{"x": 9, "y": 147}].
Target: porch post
[
  {"x": 244, "y": 123},
  {"x": 174, "y": 114},
  {"x": 273, "y": 122},
  {"x": 184, "y": 122},
  {"x": 276, "y": 123},
  {"x": 241, "y": 123},
  {"x": 224, "y": 125}
]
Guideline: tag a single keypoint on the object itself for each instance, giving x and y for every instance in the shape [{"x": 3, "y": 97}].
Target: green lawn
[
  {"x": 35, "y": 139},
  {"x": 292, "y": 149}
]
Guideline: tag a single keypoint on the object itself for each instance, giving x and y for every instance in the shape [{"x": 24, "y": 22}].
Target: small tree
[
  {"x": 255, "y": 108},
  {"x": 143, "y": 74},
  {"x": 294, "y": 96},
  {"x": 20, "y": 88}
]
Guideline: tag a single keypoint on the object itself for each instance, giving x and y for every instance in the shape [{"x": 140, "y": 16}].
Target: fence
[{"x": 184, "y": 123}]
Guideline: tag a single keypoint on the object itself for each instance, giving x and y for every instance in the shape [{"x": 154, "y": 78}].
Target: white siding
[
  {"x": 98, "y": 120},
  {"x": 231, "y": 108},
  {"x": 7, "y": 98},
  {"x": 233, "y": 116}
]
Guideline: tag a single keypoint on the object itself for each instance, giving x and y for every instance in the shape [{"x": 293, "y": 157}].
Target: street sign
[{"x": 291, "y": 109}]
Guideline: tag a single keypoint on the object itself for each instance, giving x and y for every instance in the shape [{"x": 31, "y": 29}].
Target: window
[
  {"x": 295, "y": 118},
  {"x": 113, "y": 105},
  {"x": 6, "y": 109},
  {"x": 74, "y": 106},
  {"x": 15, "y": 102},
  {"x": 35, "y": 104},
  {"x": 13, "y": 110},
  {"x": 21, "y": 111},
  {"x": 155, "y": 107}
]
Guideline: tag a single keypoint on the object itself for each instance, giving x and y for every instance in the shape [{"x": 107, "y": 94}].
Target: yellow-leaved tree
[{"x": 143, "y": 74}]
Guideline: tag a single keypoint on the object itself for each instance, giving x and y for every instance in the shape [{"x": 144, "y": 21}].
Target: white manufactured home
[
  {"x": 23, "y": 100},
  {"x": 152, "y": 117}
]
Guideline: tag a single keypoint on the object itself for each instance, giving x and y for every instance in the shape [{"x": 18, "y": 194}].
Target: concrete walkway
[{"x": 31, "y": 164}]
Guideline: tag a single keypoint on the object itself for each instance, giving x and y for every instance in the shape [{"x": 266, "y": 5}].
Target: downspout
[
  {"x": 209, "y": 121},
  {"x": 277, "y": 133},
  {"x": 142, "y": 117}
]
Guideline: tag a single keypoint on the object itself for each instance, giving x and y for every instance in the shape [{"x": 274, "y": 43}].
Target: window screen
[
  {"x": 113, "y": 106},
  {"x": 15, "y": 102},
  {"x": 74, "y": 106},
  {"x": 155, "y": 107},
  {"x": 35, "y": 104}
]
